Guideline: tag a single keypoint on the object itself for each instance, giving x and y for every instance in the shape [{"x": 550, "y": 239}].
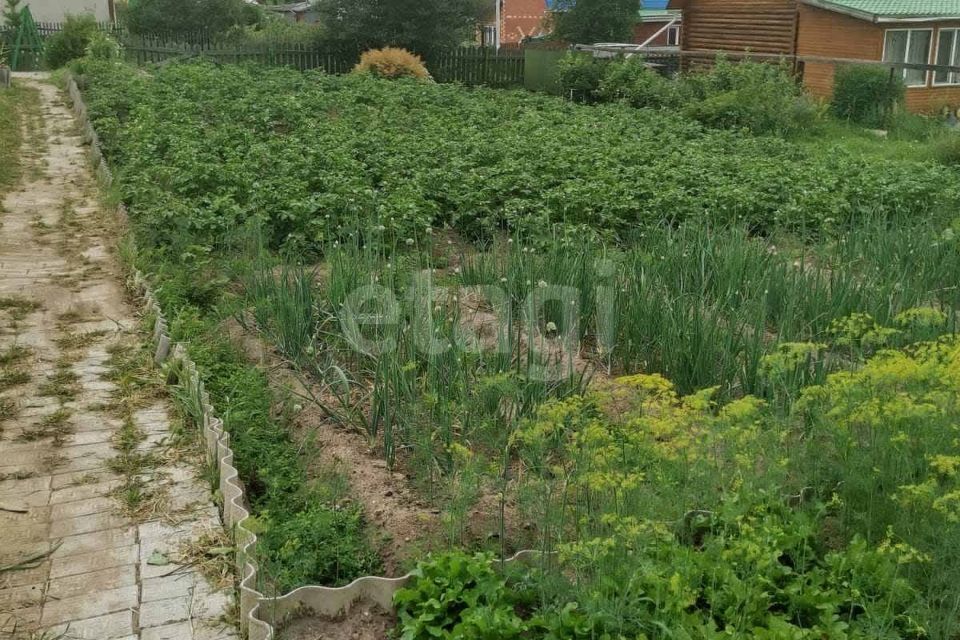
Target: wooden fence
[{"x": 467, "y": 65}]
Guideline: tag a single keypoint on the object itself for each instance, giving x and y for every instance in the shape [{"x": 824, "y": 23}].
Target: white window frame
[
  {"x": 903, "y": 72},
  {"x": 673, "y": 36},
  {"x": 953, "y": 53}
]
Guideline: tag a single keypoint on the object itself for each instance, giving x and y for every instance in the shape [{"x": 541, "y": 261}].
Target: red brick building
[
  {"x": 658, "y": 28},
  {"x": 910, "y": 31},
  {"x": 521, "y": 19}
]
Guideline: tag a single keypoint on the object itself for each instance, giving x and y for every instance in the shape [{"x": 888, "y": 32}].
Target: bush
[
  {"x": 866, "y": 95},
  {"x": 630, "y": 80},
  {"x": 391, "y": 62},
  {"x": 759, "y": 97},
  {"x": 947, "y": 149},
  {"x": 103, "y": 47},
  {"x": 72, "y": 42},
  {"x": 580, "y": 76}
]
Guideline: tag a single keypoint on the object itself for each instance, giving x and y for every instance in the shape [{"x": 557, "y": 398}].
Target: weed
[
  {"x": 14, "y": 354},
  {"x": 18, "y": 475},
  {"x": 88, "y": 478},
  {"x": 56, "y": 426},
  {"x": 63, "y": 384},
  {"x": 11, "y": 379},
  {"x": 73, "y": 341},
  {"x": 19, "y": 307},
  {"x": 8, "y": 410}
]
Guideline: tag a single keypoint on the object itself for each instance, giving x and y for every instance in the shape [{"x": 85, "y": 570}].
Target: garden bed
[{"x": 713, "y": 386}]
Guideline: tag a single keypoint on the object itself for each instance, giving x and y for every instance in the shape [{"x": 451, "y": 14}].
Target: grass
[
  {"x": 14, "y": 354},
  {"x": 12, "y": 103},
  {"x": 63, "y": 383},
  {"x": 854, "y": 139},
  {"x": 11, "y": 379},
  {"x": 69, "y": 341},
  {"x": 18, "y": 307},
  {"x": 55, "y": 426},
  {"x": 8, "y": 410},
  {"x": 137, "y": 384}
]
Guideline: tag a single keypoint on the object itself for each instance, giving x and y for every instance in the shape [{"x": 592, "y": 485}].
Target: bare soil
[{"x": 364, "y": 622}]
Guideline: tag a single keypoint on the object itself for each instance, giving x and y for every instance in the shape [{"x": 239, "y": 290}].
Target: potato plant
[{"x": 754, "y": 434}]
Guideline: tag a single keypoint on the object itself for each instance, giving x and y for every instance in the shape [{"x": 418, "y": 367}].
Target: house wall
[
  {"x": 834, "y": 35},
  {"x": 522, "y": 19},
  {"x": 58, "y": 10},
  {"x": 643, "y": 30},
  {"x": 760, "y": 26}
]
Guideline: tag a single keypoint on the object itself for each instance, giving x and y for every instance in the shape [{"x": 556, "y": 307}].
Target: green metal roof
[
  {"x": 896, "y": 8},
  {"x": 658, "y": 14}
]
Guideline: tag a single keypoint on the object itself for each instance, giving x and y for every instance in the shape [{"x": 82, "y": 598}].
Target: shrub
[
  {"x": 391, "y": 62},
  {"x": 866, "y": 95},
  {"x": 103, "y": 47},
  {"x": 947, "y": 149},
  {"x": 632, "y": 81},
  {"x": 759, "y": 97},
  {"x": 71, "y": 42},
  {"x": 580, "y": 76}
]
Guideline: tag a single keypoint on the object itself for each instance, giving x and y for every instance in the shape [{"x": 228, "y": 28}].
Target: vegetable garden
[{"x": 711, "y": 376}]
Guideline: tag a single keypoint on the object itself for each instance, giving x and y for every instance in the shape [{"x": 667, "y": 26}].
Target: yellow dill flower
[{"x": 945, "y": 465}]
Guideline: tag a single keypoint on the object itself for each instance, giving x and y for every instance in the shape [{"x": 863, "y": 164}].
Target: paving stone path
[{"x": 105, "y": 524}]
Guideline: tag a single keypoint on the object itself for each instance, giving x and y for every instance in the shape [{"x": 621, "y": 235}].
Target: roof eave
[
  {"x": 847, "y": 11},
  {"x": 873, "y": 17},
  {"x": 902, "y": 19}
]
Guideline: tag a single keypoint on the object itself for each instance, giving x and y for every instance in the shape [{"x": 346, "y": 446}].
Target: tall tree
[
  {"x": 149, "y": 16},
  {"x": 11, "y": 13},
  {"x": 590, "y": 21},
  {"x": 418, "y": 25}
]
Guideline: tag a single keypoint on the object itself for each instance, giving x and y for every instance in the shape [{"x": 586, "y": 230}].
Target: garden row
[{"x": 490, "y": 285}]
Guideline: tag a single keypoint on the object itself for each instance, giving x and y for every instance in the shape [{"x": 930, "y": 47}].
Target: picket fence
[{"x": 466, "y": 65}]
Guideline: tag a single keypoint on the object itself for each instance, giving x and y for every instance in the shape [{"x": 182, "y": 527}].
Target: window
[
  {"x": 909, "y": 45},
  {"x": 488, "y": 35},
  {"x": 948, "y": 53},
  {"x": 673, "y": 37}
]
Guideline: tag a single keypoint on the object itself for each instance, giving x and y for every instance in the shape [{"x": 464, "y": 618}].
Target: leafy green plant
[
  {"x": 71, "y": 42},
  {"x": 867, "y": 95},
  {"x": 946, "y": 149},
  {"x": 579, "y": 76},
  {"x": 759, "y": 97},
  {"x": 632, "y": 81},
  {"x": 103, "y": 47},
  {"x": 578, "y": 170},
  {"x": 455, "y": 595}
]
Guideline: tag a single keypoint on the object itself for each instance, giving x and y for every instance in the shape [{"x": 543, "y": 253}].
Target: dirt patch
[
  {"x": 364, "y": 622},
  {"x": 403, "y": 526}
]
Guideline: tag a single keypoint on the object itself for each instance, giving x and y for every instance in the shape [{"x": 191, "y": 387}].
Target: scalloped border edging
[{"x": 258, "y": 614}]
